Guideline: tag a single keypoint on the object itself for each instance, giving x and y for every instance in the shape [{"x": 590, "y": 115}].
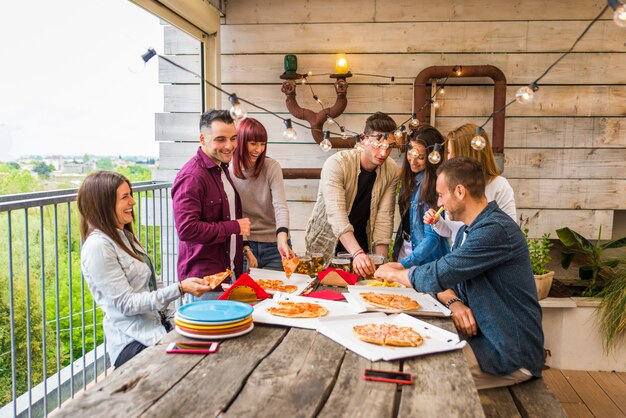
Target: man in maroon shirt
[{"x": 207, "y": 208}]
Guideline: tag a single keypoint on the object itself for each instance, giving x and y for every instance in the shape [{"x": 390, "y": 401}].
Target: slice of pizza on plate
[
  {"x": 290, "y": 265},
  {"x": 298, "y": 310},
  {"x": 214, "y": 280}
]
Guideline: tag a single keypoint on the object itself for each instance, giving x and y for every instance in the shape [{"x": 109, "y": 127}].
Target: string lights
[{"x": 523, "y": 96}]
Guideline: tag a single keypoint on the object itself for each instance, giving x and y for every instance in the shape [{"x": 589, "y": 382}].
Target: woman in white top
[
  {"x": 459, "y": 144},
  {"x": 118, "y": 271},
  {"x": 259, "y": 182}
]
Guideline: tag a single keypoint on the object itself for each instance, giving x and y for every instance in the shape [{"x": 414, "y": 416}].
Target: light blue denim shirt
[
  {"x": 491, "y": 273},
  {"x": 426, "y": 244},
  {"x": 119, "y": 285}
]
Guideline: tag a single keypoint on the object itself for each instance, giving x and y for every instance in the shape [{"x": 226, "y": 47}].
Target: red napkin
[
  {"x": 326, "y": 294},
  {"x": 349, "y": 278},
  {"x": 245, "y": 290}
]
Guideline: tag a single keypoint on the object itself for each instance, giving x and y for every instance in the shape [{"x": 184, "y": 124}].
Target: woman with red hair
[{"x": 259, "y": 181}]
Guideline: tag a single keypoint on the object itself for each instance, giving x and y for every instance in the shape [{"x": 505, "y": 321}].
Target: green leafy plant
[
  {"x": 612, "y": 310},
  {"x": 539, "y": 249},
  {"x": 595, "y": 270}
]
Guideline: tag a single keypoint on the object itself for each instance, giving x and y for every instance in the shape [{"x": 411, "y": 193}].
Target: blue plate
[{"x": 215, "y": 311}]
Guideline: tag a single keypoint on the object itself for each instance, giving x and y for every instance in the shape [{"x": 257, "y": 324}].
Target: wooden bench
[{"x": 528, "y": 399}]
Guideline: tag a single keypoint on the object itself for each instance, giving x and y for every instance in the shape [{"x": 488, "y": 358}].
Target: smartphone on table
[
  {"x": 388, "y": 376},
  {"x": 192, "y": 347}
]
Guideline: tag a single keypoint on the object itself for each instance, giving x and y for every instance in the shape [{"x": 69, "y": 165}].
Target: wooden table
[{"x": 279, "y": 372}]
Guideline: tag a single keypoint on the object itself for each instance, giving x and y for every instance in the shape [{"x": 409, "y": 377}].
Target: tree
[
  {"x": 43, "y": 170},
  {"x": 104, "y": 163}
]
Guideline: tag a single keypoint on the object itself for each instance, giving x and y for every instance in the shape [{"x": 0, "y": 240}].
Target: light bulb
[
  {"x": 358, "y": 146},
  {"x": 442, "y": 91},
  {"x": 478, "y": 142},
  {"x": 309, "y": 73},
  {"x": 414, "y": 123},
  {"x": 237, "y": 111},
  {"x": 326, "y": 145},
  {"x": 619, "y": 17},
  {"x": 397, "y": 134},
  {"x": 436, "y": 104},
  {"x": 289, "y": 134},
  {"x": 341, "y": 64},
  {"x": 434, "y": 157},
  {"x": 525, "y": 95},
  {"x": 458, "y": 71},
  {"x": 344, "y": 136},
  {"x": 139, "y": 64}
]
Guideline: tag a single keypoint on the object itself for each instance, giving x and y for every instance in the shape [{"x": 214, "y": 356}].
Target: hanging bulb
[
  {"x": 303, "y": 80},
  {"x": 326, "y": 145},
  {"x": 237, "y": 111},
  {"x": 436, "y": 104},
  {"x": 619, "y": 17},
  {"x": 358, "y": 146},
  {"x": 414, "y": 123},
  {"x": 478, "y": 142},
  {"x": 442, "y": 91},
  {"x": 399, "y": 133},
  {"x": 139, "y": 65},
  {"x": 344, "y": 135},
  {"x": 435, "y": 156},
  {"x": 525, "y": 94},
  {"x": 289, "y": 134},
  {"x": 457, "y": 70},
  {"x": 310, "y": 73}
]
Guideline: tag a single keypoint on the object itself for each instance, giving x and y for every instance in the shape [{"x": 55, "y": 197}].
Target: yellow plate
[{"x": 194, "y": 326}]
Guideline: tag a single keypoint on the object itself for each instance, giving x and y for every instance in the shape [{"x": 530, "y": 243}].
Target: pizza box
[
  {"x": 301, "y": 280},
  {"x": 335, "y": 309},
  {"x": 429, "y": 306},
  {"x": 436, "y": 340}
]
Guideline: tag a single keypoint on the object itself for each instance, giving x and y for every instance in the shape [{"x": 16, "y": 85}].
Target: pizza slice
[
  {"x": 403, "y": 337},
  {"x": 298, "y": 310},
  {"x": 214, "y": 280},
  {"x": 276, "y": 285},
  {"x": 290, "y": 265},
  {"x": 371, "y": 333}
]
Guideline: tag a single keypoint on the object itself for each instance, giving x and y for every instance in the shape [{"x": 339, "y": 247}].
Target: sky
[{"x": 67, "y": 84}]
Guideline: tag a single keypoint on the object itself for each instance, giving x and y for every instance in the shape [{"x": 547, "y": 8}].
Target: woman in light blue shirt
[
  {"x": 118, "y": 271},
  {"x": 416, "y": 242}
]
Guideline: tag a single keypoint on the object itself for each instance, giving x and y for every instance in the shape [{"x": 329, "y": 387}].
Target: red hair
[{"x": 248, "y": 130}]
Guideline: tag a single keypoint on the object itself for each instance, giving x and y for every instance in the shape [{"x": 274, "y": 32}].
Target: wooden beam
[{"x": 374, "y": 38}]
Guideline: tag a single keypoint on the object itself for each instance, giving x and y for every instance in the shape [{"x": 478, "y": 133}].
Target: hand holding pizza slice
[
  {"x": 214, "y": 280},
  {"x": 289, "y": 265}
]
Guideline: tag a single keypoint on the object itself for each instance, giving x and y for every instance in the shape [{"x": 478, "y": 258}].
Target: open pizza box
[
  {"x": 429, "y": 306},
  {"x": 436, "y": 340},
  {"x": 301, "y": 281},
  {"x": 335, "y": 309}
]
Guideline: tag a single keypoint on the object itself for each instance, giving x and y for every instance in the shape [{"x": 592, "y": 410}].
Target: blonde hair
[{"x": 460, "y": 141}]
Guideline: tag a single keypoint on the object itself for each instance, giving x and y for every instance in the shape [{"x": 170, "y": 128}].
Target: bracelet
[
  {"x": 359, "y": 252},
  {"x": 180, "y": 289},
  {"x": 451, "y": 301}
]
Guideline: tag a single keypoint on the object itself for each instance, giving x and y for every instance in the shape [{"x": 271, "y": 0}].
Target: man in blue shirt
[{"x": 489, "y": 269}]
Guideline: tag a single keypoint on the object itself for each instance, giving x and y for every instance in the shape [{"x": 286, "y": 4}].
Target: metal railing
[{"x": 50, "y": 328}]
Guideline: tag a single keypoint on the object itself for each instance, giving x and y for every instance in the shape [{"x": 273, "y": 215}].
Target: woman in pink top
[{"x": 259, "y": 181}]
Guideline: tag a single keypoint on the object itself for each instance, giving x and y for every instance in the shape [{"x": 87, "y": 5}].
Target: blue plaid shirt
[{"x": 491, "y": 273}]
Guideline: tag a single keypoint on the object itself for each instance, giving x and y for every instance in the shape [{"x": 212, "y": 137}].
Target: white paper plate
[
  {"x": 335, "y": 309},
  {"x": 436, "y": 340},
  {"x": 429, "y": 306},
  {"x": 214, "y": 336}
]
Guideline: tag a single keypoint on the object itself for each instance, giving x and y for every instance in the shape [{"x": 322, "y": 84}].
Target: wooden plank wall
[{"x": 565, "y": 154}]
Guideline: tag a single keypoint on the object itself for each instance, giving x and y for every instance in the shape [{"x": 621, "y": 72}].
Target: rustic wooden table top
[{"x": 279, "y": 372}]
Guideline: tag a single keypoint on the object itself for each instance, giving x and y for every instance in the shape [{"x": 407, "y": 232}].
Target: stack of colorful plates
[{"x": 214, "y": 319}]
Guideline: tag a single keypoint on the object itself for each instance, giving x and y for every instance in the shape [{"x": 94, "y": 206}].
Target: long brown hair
[
  {"x": 460, "y": 140},
  {"x": 426, "y": 136},
  {"x": 96, "y": 201},
  {"x": 249, "y": 130}
]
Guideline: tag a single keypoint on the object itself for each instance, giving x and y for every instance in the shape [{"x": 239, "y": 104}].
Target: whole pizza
[
  {"x": 386, "y": 334},
  {"x": 276, "y": 286},
  {"x": 390, "y": 301},
  {"x": 298, "y": 310}
]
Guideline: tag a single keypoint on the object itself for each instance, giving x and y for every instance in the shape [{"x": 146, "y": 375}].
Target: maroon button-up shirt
[{"x": 202, "y": 218}]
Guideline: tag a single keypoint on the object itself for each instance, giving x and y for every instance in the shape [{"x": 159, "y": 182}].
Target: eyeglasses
[{"x": 414, "y": 154}]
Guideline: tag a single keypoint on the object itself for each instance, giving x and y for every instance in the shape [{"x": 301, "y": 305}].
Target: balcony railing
[{"x": 52, "y": 343}]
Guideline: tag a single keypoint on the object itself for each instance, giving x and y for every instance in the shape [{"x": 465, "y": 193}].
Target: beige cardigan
[{"x": 337, "y": 191}]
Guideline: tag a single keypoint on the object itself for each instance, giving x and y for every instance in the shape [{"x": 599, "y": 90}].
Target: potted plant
[
  {"x": 539, "y": 249},
  {"x": 602, "y": 277}
]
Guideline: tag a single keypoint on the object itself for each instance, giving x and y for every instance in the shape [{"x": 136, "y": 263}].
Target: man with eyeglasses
[{"x": 356, "y": 199}]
